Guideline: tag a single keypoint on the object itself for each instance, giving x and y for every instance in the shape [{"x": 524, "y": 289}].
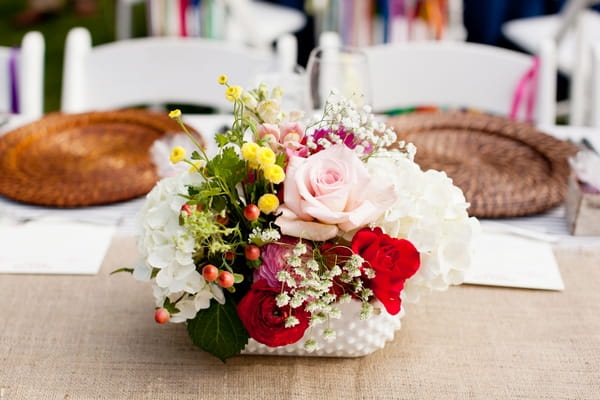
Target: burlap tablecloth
[{"x": 94, "y": 337}]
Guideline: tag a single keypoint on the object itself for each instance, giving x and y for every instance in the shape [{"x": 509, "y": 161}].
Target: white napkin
[
  {"x": 510, "y": 260},
  {"x": 53, "y": 246}
]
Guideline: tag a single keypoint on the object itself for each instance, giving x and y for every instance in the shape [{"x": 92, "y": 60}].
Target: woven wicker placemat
[
  {"x": 72, "y": 160},
  {"x": 505, "y": 168}
]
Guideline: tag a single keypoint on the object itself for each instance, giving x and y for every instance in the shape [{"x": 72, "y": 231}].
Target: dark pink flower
[{"x": 274, "y": 258}]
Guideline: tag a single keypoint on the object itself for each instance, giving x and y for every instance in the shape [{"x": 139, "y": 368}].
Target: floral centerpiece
[{"x": 269, "y": 241}]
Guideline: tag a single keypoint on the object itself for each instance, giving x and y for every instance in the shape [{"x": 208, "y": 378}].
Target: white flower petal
[
  {"x": 142, "y": 272},
  {"x": 202, "y": 299},
  {"x": 187, "y": 310},
  {"x": 217, "y": 292},
  {"x": 161, "y": 256},
  {"x": 164, "y": 278}
]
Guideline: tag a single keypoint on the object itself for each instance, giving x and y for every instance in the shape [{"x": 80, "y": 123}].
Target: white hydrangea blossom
[
  {"x": 432, "y": 214},
  {"x": 166, "y": 246}
]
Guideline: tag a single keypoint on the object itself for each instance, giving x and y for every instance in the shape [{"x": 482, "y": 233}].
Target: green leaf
[
  {"x": 221, "y": 139},
  {"x": 210, "y": 192},
  {"x": 238, "y": 278},
  {"x": 228, "y": 167},
  {"x": 254, "y": 264},
  {"x": 192, "y": 191},
  {"x": 218, "y": 330},
  {"x": 170, "y": 307},
  {"x": 116, "y": 271},
  {"x": 196, "y": 156},
  {"x": 218, "y": 203}
]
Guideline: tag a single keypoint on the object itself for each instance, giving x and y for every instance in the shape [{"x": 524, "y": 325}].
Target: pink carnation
[{"x": 274, "y": 259}]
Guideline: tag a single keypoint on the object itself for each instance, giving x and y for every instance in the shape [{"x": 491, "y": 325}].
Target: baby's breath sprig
[
  {"x": 315, "y": 280},
  {"x": 343, "y": 121}
]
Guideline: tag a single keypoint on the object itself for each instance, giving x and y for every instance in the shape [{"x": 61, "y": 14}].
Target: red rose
[
  {"x": 265, "y": 321},
  {"x": 394, "y": 261}
]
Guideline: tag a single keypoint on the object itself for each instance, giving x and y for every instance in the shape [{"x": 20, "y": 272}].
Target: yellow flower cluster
[
  {"x": 264, "y": 158},
  {"x": 249, "y": 153},
  {"x": 268, "y": 203},
  {"x": 175, "y": 114},
  {"x": 177, "y": 154},
  {"x": 232, "y": 93},
  {"x": 274, "y": 173}
]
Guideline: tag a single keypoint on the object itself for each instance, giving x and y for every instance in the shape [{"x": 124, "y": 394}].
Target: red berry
[
  {"x": 251, "y": 212},
  {"x": 222, "y": 220},
  {"x": 210, "y": 272},
  {"x": 226, "y": 279},
  {"x": 229, "y": 256},
  {"x": 252, "y": 252},
  {"x": 187, "y": 209},
  {"x": 161, "y": 316}
]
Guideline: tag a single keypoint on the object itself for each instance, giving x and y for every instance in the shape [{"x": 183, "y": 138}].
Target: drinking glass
[
  {"x": 343, "y": 69},
  {"x": 293, "y": 85}
]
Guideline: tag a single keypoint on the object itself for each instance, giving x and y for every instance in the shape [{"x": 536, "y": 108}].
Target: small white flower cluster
[
  {"x": 342, "y": 117},
  {"x": 308, "y": 283},
  {"x": 166, "y": 251},
  {"x": 261, "y": 236},
  {"x": 432, "y": 214}
]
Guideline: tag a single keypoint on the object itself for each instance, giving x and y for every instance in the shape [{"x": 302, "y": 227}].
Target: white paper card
[
  {"x": 514, "y": 261},
  {"x": 53, "y": 247}
]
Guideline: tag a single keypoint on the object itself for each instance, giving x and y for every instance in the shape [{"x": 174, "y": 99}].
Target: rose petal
[
  {"x": 292, "y": 226},
  {"x": 291, "y": 196}
]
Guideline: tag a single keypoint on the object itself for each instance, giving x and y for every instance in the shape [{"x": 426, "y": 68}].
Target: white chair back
[
  {"x": 158, "y": 70},
  {"x": 457, "y": 74},
  {"x": 22, "y": 71},
  {"x": 595, "y": 87}
]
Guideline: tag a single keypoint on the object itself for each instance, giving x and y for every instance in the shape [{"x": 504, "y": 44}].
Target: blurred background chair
[
  {"x": 460, "y": 75},
  {"x": 574, "y": 30},
  {"x": 22, "y": 77},
  {"x": 160, "y": 70},
  {"x": 595, "y": 87}
]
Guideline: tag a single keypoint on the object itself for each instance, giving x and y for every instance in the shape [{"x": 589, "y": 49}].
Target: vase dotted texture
[{"x": 354, "y": 337}]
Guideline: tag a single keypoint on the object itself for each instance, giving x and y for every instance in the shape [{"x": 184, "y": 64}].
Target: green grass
[{"x": 101, "y": 26}]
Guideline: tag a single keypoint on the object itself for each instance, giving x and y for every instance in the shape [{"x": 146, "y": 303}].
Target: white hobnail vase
[{"x": 354, "y": 337}]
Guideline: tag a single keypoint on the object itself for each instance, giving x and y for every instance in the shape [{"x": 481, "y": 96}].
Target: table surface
[{"x": 94, "y": 337}]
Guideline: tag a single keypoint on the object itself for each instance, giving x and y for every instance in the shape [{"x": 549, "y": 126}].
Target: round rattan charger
[
  {"x": 505, "y": 168},
  {"x": 73, "y": 160}
]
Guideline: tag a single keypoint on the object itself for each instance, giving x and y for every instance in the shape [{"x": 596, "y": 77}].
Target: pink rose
[{"x": 330, "y": 191}]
